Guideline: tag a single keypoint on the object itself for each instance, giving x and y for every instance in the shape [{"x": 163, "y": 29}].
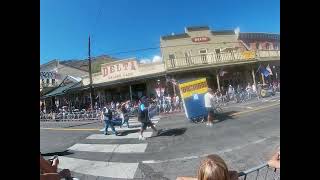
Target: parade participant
[
  {"x": 143, "y": 117},
  {"x": 107, "y": 117},
  {"x": 124, "y": 114},
  {"x": 208, "y": 101}
]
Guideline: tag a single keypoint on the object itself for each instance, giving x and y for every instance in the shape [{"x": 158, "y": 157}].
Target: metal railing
[
  {"x": 71, "y": 116},
  {"x": 49, "y": 84},
  {"x": 220, "y": 58},
  {"x": 88, "y": 115},
  {"x": 260, "y": 172}
]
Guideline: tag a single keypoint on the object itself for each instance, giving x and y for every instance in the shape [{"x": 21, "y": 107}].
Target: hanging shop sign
[
  {"x": 121, "y": 69},
  {"x": 200, "y": 39},
  {"x": 248, "y": 54},
  {"x": 190, "y": 88}
]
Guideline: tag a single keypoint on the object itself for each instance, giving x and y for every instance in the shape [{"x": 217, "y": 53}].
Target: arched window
[
  {"x": 257, "y": 46},
  {"x": 267, "y": 46}
]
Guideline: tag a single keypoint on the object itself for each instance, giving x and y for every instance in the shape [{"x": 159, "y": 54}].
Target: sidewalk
[{"x": 254, "y": 101}]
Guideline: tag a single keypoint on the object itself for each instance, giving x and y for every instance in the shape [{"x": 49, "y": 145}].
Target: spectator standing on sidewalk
[
  {"x": 259, "y": 88},
  {"x": 178, "y": 103},
  {"x": 254, "y": 88},
  {"x": 209, "y": 101},
  {"x": 249, "y": 90}
]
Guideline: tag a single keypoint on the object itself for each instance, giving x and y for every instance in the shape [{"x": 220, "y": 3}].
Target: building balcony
[{"x": 223, "y": 58}]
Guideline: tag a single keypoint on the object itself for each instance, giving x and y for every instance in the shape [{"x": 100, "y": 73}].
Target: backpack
[
  {"x": 142, "y": 113},
  {"x": 109, "y": 114}
]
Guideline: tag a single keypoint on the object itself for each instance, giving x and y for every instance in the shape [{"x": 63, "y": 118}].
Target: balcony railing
[
  {"x": 220, "y": 58},
  {"x": 49, "y": 84}
]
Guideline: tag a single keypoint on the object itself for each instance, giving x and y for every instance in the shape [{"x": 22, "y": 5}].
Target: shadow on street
[
  {"x": 224, "y": 116},
  {"x": 126, "y": 132},
  {"x": 61, "y": 153},
  {"x": 173, "y": 132}
]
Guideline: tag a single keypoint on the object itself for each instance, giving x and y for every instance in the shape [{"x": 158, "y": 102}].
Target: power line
[{"x": 163, "y": 47}]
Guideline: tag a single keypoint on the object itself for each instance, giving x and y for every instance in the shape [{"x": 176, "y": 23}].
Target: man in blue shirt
[{"x": 144, "y": 118}]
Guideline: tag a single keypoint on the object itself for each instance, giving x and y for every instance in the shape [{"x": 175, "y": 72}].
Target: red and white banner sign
[
  {"x": 117, "y": 70},
  {"x": 200, "y": 39}
]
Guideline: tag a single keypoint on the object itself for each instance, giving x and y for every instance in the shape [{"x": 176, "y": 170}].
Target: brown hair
[{"x": 213, "y": 168}]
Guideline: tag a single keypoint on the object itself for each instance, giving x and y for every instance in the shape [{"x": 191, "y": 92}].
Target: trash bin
[{"x": 192, "y": 95}]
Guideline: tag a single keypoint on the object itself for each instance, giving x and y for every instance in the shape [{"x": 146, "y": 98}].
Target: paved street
[{"x": 244, "y": 136}]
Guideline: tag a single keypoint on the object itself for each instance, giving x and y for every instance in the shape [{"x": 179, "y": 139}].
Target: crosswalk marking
[
  {"x": 107, "y": 148},
  {"x": 126, "y": 128},
  {"x": 132, "y": 126},
  {"x": 99, "y": 168},
  {"x": 129, "y": 136}
]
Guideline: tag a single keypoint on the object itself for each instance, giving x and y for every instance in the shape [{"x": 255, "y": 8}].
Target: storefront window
[
  {"x": 203, "y": 54},
  {"x": 188, "y": 58},
  {"x": 172, "y": 60},
  {"x": 218, "y": 54},
  {"x": 267, "y": 46}
]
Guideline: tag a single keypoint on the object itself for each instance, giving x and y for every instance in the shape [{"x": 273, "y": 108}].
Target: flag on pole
[
  {"x": 269, "y": 69},
  {"x": 264, "y": 71}
]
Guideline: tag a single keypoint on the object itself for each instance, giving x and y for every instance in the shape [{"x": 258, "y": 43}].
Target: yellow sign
[
  {"x": 198, "y": 86},
  {"x": 248, "y": 54}
]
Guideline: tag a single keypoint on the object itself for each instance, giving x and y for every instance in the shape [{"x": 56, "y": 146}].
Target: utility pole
[{"x": 90, "y": 76}]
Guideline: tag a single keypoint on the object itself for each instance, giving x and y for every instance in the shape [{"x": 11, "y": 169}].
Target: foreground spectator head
[
  {"x": 213, "y": 168},
  {"x": 275, "y": 160}
]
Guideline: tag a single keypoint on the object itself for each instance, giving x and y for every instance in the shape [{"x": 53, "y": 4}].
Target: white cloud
[
  {"x": 156, "y": 59},
  {"x": 145, "y": 61},
  {"x": 237, "y": 30}
]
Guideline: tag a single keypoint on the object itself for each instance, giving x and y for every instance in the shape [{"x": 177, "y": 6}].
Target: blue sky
[{"x": 122, "y": 25}]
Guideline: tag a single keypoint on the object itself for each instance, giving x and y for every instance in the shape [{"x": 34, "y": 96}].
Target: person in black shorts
[
  {"x": 143, "y": 117},
  {"x": 209, "y": 101}
]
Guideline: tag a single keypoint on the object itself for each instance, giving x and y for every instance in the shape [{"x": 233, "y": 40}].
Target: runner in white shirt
[{"x": 208, "y": 101}]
